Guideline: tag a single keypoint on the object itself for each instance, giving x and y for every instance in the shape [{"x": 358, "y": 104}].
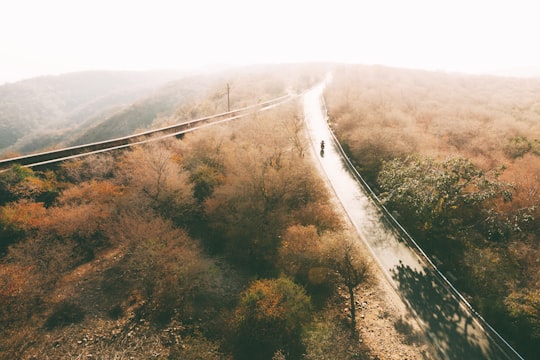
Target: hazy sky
[{"x": 39, "y": 37}]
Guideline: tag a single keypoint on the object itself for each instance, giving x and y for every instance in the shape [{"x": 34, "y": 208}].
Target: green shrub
[
  {"x": 517, "y": 147},
  {"x": 269, "y": 318}
]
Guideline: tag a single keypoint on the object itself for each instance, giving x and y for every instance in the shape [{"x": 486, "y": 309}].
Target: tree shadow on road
[{"x": 449, "y": 327}]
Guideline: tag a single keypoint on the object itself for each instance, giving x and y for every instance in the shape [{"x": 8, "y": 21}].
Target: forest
[
  {"x": 221, "y": 245},
  {"x": 226, "y": 244},
  {"x": 457, "y": 159}
]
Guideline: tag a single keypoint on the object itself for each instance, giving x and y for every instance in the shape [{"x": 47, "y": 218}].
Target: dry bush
[
  {"x": 150, "y": 169},
  {"x": 17, "y": 220},
  {"x": 300, "y": 252},
  {"x": 92, "y": 167},
  {"x": 166, "y": 266},
  {"x": 269, "y": 318}
]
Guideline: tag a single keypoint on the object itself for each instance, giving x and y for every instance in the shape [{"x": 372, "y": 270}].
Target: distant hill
[
  {"x": 142, "y": 113},
  {"x": 36, "y": 113},
  {"x": 72, "y": 109}
]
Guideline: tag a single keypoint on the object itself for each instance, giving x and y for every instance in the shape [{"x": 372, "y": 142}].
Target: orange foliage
[
  {"x": 321, "y": 214},
  {"x": 270, "y": 317},
  {"x": 471, "y": 116},
  {"x": 300, "y": 239},
  {"x": 83, "y": 209},
  {"x": 23, "y": 214},
  {"x": 99, "y": 192},
  {"x": 299, "y": 249}
]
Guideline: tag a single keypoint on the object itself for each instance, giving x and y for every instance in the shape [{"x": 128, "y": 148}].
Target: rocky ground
[{"x": 385, "y": 325}]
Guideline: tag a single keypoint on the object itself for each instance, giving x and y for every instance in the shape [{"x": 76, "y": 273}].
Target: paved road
[{"x": 454, "y": 333}]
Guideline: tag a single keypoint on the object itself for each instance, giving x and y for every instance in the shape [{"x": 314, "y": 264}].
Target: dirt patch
[{"x": 386, "y": 328}]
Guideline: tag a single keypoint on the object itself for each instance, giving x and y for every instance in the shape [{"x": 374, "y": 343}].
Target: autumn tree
[
  {"x": 24, "y": 194},
  {"x": 203, "y": 158},
  {"x": 351, "y": 268},
  {"x": 269, "y": 318},
  {"x": 517, "y": 147},
  {"x": 302, "y": 257},
  {"x": 10, "y": 180},
  {"x": 83, "y": 213},
  {"x": 524, "y": 309},
  {"x": 155, "y": 179},
  {"x": 150, "y": 167},
  {"x": 293, "y": 125},
  {"x": 300, "y": 252}
]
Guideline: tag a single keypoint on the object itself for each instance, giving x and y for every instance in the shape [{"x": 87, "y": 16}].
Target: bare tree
[
  {"x": 293, "y": 125},
  {"x": 350, "y": 267}
]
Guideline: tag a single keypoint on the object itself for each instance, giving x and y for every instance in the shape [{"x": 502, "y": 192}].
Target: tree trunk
[{"x": 353, "y": 310}]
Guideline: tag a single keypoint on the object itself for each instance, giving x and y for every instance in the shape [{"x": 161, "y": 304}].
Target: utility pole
[{"x": 228, "y": 98}]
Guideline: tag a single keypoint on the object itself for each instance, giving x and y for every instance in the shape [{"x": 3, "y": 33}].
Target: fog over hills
[
  {"x": 76, "y": 108},
  {"x": 37, "y": 113},
  {"x": 142, "y": 113},
  {"x": 72, "y": 109}
]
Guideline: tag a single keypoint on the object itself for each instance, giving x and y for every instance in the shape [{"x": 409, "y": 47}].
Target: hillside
[
  {"x": 36, "y": 113},
  {"x": 141, "y": 114},
  {"x": 198, "y": 96}
]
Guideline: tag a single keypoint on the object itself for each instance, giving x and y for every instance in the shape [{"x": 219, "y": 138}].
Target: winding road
[{"x": 454, "y": 332}]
